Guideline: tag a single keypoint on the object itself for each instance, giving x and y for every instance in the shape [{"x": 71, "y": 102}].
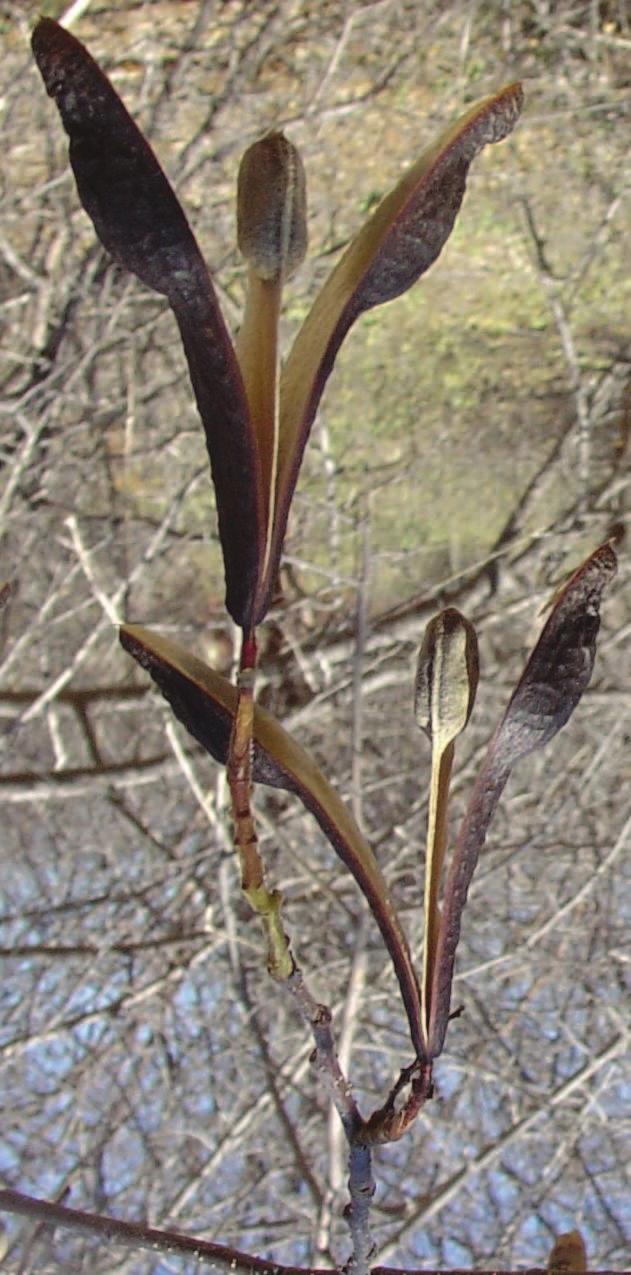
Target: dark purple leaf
[
  {"x": 122, "y": 187},
  {"x": 561, "y": 664},
  {"x": 234, "y": 463},
  {"x": 141, "y": 224}
]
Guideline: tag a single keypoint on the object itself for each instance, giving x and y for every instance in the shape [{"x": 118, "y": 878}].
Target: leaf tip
[
  {"x": 560, "y": 666},
  {"x": 272, "y": 207},
  {"x": 447, "y": 676},
  {"x": 51, "y": 45}
]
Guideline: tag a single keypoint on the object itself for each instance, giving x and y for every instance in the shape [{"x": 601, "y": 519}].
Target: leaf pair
[
  {"x": 206, "y": 704},
  {"x": 553, "y": 681},
  {"x": 256, "y": 419}
]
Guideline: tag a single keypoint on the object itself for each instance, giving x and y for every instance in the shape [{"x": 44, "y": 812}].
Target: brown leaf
[
  {"x": 446, "y": 682},
  {"x": 392, "y": 250},
  {"x": 141, "y": 224},
  {"x": 568, "y": 1254},
  {"x": 546, "y": 695},
  {"x": 272, "y": 235},
  {"x": 205, "y": 703}
]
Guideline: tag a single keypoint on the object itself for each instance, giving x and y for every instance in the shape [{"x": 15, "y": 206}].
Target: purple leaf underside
[
  {"x": 554, "y": 679},
  {"x": 141, "y": 223},
  {"x": 120, "y": 182},
  {"x": 561, "y": 664},
  {"x": 205, "y": 703}
]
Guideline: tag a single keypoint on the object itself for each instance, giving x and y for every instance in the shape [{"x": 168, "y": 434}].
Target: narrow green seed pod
[{"x": 272, "y": 208}]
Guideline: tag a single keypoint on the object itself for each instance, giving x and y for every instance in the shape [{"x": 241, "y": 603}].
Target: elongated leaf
[
  {"x": 395, "y": 247},
  {"x": 235, "y": 467},
  {"x": 142, "y": 225},
  {"x": 272, "y": 235},
  {"x": 546, "y": 695},
  {"x": 206, "y": 703},
  {"x": 446, "y": 682}
]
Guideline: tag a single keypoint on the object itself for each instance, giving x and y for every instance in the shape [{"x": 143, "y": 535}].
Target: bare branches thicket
[{"x": 148, "y": 1071}]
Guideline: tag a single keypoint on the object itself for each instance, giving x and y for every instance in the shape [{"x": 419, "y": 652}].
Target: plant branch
[
  {"x": 325, "y": 1060},
  {"x": 361, "y": 1183},
  {"x": 137, "y": 1236},
  {"x": 266, "y": 903}
]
